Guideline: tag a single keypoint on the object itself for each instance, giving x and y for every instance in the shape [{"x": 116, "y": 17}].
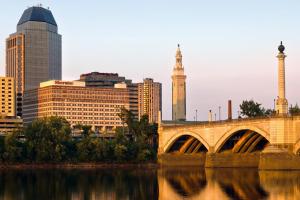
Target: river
[{"x": 152, "y": 184}]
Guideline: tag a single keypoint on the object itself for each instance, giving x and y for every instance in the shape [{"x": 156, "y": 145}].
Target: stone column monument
[{"x": 281, "y": 103}]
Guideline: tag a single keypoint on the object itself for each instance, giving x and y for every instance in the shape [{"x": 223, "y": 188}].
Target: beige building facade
[
  {"x": 108, "y": 80},
  {"x": 98, "y": 107},
  {"x": 178, "y": 89},
  {"x": 8, "y": 96},
  {"x": 150, "y": 99}
]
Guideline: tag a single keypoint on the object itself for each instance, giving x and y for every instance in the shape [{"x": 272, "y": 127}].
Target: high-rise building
[
  {"x": 98, "y": 107},
  {"x": 33, "y": 52},
  {"x": 178, "y": 89},
  {"x": 7, "y": 99},
  {"x": 8, "y": 120},
  {"x": 150, "y": 99},
  {"x": 108, "y": 80}
]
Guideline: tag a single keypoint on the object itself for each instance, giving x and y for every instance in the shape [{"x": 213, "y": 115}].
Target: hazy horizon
[{"x": 229, "y": 48}]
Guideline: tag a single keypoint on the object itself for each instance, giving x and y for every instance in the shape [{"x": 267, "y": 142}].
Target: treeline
[
  {"x": 250, "y": 108},
  {"x": 50, "y": 140}
]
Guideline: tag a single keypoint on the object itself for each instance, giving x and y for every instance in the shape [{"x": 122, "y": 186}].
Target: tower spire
[
  {"x": 281, "y": 103},
  {"x": 178, "y": 57}
]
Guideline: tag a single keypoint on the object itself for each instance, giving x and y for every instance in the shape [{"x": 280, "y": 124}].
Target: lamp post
[
  {"x": 196, "y": 115},
  {"x": 219, "y": 113}
]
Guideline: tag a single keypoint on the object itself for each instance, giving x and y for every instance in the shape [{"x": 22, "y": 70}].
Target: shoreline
[{"x": 21, "y": 166}]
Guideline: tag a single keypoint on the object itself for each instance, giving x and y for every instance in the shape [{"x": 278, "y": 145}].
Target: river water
[{"x": 140, "y": 184}]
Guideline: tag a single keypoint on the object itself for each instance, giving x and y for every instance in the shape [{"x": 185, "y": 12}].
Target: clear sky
[{"x": 229, "y": 47}]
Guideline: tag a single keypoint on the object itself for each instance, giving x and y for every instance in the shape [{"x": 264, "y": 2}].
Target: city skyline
[{"x": 224, "y": 57}]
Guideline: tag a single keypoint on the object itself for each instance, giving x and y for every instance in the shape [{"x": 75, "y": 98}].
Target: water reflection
[
  {"x": 242, "y": 184},
  {"x": 187, "y": 182},
  {"x": 162, "y": 184},
  {"x": 238, "y": 184},
  {"x": 78, "y": 184}
]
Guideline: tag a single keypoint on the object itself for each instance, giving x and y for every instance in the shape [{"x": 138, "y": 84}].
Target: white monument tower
[
  {"x": 281, "y": 103},
  {"x": 178, "y": 89}
]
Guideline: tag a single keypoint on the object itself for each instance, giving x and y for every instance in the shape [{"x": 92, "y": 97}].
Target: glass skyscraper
[{"x": 33, "y": 53}]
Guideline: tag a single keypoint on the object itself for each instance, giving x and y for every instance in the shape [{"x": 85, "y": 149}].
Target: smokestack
[
  {"x": 229, "y": 110},
  {"x": 210, "y": 116}
]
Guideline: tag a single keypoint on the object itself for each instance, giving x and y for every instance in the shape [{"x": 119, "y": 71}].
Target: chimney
[
  {"x": 229, "y": 110},
  {"x": 210, "y": 116}
]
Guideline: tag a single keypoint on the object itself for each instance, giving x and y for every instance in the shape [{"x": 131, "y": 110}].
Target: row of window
[{"x": 81, "y": 113}]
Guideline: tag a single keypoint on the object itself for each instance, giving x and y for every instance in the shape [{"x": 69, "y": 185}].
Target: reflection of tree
[
  {"x": 186, "y": 182},
  {"x": 240, "y": 183},
  {"x": 78, "y": 184}
]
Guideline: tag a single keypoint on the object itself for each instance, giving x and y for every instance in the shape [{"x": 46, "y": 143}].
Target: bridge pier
[
  {"x": 176, "y": 159},
  {"x": 227, "y": 160}
]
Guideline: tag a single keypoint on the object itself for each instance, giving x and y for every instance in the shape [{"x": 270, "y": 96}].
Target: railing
[{"x": 171, "y": 122}]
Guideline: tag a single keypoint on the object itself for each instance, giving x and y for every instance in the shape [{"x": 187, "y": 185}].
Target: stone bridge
[{"x": 240, "y": 136}]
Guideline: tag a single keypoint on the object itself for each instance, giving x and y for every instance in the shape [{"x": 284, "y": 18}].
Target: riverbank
[{"x": 151, "y": 165}]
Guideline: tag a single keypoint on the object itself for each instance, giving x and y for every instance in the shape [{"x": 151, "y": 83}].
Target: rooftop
[{"x": 37, "y": 14}]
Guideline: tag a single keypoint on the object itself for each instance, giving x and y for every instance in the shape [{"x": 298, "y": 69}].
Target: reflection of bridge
[
  {"x": 241, "y": 137},
  {"x": 215, "y": 184},
  {"x": 196, "y": 183}
]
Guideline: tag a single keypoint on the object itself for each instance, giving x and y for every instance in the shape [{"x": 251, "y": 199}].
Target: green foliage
[
  {"x": 254, "y": 109},
  {"x": 14, "y": 148},
  {"x": 46, "y": 139},
  {"x": 294, "y": 110},
  {"x": 2, "y": 146},
  {"x": 120, "y": 152},
  {"x": 49, "y": 140}
]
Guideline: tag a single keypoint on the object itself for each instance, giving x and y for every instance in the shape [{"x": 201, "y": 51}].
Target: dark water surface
[{"x": 137, "y": 184}]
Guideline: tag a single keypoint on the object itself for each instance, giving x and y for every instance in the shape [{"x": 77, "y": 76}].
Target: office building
[
  {"x": 7, "y": 100},
  {"x": 108, "y": 80},
  {"x": 8, "y": 120},
  {"x": 33, "y": 52},
  {"x": 98, "y": 107},
  {"x": 150, "y": 99}
]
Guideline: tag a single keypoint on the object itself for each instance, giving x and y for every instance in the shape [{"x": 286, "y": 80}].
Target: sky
[{"x": 229, "y": 47}]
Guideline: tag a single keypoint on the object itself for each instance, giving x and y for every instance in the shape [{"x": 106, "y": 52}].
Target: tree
[
  {"x": 120, "y": 152},
  {"x": 14, "y": 148},
  {"x": 294, "y": 110},
  {"x": 253, "y": 109},
  {"x": 1, "y": 147},
  {"x": 128, "y": 118},
  {"x": 144, "y": 144},
  {"x": 47, "y": 138}
]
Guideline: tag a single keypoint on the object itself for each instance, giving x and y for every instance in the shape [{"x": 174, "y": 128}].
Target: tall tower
[
  {"x": 178, "y": 89},
  {"x": 33, "y": 53},
  {"x": 281, "y": 103}
]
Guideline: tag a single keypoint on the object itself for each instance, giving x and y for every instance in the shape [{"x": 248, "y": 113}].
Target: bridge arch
[
  {"x": 174, "y": 138},
  {"x": 227, "y": 135}
]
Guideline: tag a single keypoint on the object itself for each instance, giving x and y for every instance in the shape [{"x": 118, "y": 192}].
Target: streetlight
[
  {"x": 219, "y": 113},
  {"x": 196, "y": 114}
]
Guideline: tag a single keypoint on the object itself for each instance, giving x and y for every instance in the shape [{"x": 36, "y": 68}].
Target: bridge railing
[{"x": 171, "y": 122}]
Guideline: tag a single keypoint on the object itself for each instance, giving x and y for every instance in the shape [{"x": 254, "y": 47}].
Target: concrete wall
[{"x": 182, "y": 159}]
